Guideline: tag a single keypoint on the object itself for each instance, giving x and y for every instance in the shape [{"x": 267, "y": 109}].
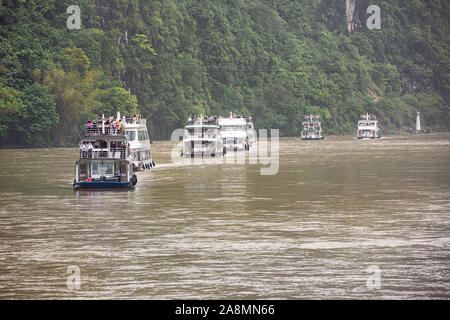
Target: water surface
[{"x": 222, "y": 231}]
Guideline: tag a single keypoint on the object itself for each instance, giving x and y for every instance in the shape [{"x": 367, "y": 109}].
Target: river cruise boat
[
  {"x": 105, "y": 160},
  {"x": 234, "y": 132},
  {"x": 251, "y": 133},
  {"x": 368, "y": 127},
  {"x": 138, "y": 138},
  {"x": 202, "y": 138},
  {"x": 312, "y": 128}
]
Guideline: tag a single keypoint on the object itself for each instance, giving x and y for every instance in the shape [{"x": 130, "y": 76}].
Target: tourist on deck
[
  {"x": 88, "y": 127},
  {"x": 94, "y": 127},
  {"x": 83, "y": 150},
  {"x": 122, "y": 148},
  {"x": 107, "y": 126},
  {"x": 100, "y": 126},
  {"x": 114, "y": 127},
  {"x": 89, "y": 148}
]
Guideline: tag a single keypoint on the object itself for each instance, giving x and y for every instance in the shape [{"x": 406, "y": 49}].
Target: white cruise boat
[
  {"x": 368, "y": 127},
  {"x": 105, "y": 160},
  {"x": 311, "y": 128},
  {"x": 251, "y": 132},
  {"x": 234, "y": 132},
  {"x": 202, "y": 138},
  {"x": 137, "y": 134}
]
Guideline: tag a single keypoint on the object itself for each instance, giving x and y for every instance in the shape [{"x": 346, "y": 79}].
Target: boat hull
[
  {"x": 361, "y": 138},
  {"x": 143, "y": 165},
  {"x": 321, "y": 138},
  {"x": 102, "y": 185},
  {"x": 202, "y": 155}
]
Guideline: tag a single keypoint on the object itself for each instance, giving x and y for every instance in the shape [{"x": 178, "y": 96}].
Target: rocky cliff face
[{"x": 353, "y": 20}]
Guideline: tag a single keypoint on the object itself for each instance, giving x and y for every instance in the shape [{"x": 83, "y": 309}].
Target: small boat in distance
[
  {"x": 368, "y": 127},
  {"x": 202, "y": 138},
  {"x": 251, "y": 132},
  {"x": 105, "y": 160},
  {"x": 312, "y": 128}
]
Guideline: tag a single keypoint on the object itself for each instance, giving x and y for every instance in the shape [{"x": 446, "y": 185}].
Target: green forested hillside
[{"x": 274, "y": 59}]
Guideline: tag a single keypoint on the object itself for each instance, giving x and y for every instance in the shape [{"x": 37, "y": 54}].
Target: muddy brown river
[{"x": 341, "y": 219}]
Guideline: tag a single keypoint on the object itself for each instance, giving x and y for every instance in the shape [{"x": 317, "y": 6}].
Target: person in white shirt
[{"x": 90, "y": 147}]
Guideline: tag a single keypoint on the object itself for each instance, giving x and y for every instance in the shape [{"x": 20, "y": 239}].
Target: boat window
[
  {"x": 142, "y": 135},
  {"x": 233, "y": 128},
  {"x": 143, "y": 155},
  {"x": 209, "y": 132},
  {"x": 102, "y": 168},
  {"x": 131, "y": 135}
]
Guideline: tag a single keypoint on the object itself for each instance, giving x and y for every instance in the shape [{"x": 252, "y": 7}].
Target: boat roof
[
  {"x": 102, "y": 160},
  {"x": 232, "y": 121},
  {"x": 201, "y": 126}
]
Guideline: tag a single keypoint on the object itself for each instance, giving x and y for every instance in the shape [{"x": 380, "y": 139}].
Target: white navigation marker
[{"x": 418, "y": 123}]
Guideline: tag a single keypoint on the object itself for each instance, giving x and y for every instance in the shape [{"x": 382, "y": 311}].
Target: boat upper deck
[
  {"x": 219, "y": 120},
  {"x": 368, "y": 121},
  {"x": 113, "y": 126},
  {"x": 312, "y": 123}
]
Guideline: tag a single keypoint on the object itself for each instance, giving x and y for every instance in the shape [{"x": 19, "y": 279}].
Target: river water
[{"x": 341, "y": 219}]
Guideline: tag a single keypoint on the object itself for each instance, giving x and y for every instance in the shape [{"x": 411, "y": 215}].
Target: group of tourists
[
  {"x": 213, "y": 119},
  {"x": 368, "y": 117},
  {"x": 89, "y": 150},
  {"x": 133, "y": 119},
  {"x": 311, "y": 117},
  {"x": 112, "y": 125}
]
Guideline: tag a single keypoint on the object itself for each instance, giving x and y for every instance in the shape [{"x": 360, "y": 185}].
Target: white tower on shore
[{"x": 418, "y": 122}]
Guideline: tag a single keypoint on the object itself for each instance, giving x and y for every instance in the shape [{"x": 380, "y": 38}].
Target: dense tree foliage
[{"x": 275, "y": 59}]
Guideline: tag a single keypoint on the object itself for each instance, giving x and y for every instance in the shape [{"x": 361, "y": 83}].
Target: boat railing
[
  {"x": 108, "y": 131},
  {"x": 103, "y": 153},
  {"x": 204, "y": 121},
  {"x": 312, "y": 127},
  {"x": 200, "y": 136},
  {"x": 133, "y": 120}
]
